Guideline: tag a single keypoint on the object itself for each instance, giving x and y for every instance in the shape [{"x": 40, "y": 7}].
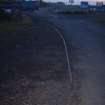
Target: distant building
[
  {"x": 99, "y": 4},
  {"x": 84, "y": 4},
  {"x": 71, "y": 1},
  {"x": 99, "y": 7}
]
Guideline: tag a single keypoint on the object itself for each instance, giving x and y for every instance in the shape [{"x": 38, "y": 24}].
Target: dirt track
[
  {"x": 87, "y": 40},
  {"x": 33, "y": 67}
]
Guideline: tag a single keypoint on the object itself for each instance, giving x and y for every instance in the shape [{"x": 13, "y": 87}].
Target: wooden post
[{"x": 71, "y": 1}]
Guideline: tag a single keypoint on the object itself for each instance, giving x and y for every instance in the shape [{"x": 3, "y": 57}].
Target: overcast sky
[{"x": 91, "y": 1}]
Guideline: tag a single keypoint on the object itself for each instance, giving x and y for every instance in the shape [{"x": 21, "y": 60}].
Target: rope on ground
[{"x": 66, "y": 53}]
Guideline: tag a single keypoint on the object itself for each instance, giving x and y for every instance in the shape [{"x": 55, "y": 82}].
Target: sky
[{"x": 76, "y": 1}]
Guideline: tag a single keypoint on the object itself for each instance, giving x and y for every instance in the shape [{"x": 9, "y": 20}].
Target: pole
[{"x": 71, "y": 1}]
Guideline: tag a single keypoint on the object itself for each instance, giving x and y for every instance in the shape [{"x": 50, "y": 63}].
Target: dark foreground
[{"x": 33, "y": 69}]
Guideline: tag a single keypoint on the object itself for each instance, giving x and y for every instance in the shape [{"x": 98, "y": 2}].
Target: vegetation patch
[
  {"x": 98, "y": 18},
  {"x": 11, "y": 26},
  {"x": 71, "y": 9}
]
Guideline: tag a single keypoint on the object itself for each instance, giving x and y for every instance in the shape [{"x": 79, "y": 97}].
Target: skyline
[{"x": 75, "y": 1}]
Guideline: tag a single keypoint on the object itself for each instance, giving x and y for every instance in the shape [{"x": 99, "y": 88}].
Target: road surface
[
  {"x": 33, "y": 65},
  {"x": 87, "y": 41}
]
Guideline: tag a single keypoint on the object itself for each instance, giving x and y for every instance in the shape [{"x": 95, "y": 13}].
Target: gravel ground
[{"x": 33, "y": 67}]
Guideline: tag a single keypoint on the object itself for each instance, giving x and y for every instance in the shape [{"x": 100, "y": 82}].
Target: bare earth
[
  {"x": 86, "y": 41},
  {"x": 33, "y": 67}
]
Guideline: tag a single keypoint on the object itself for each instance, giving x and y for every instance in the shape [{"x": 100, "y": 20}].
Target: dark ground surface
[
  {"x": 85, "y": 35},
  {"x": 33, "y": 67}
]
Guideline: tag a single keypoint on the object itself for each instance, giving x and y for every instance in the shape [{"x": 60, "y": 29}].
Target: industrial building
[{"x": 98, "y": 7}]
